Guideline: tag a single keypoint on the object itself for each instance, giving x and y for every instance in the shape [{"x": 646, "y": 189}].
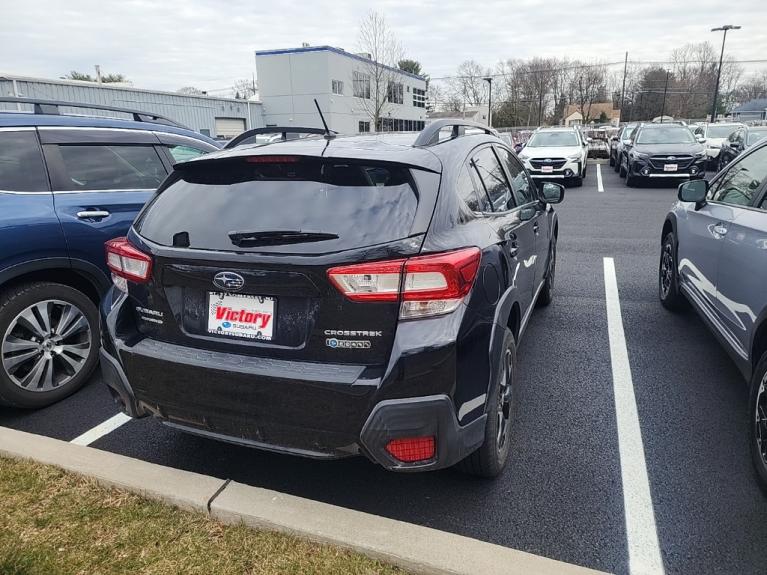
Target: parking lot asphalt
[{"x": 562, "y": 494}]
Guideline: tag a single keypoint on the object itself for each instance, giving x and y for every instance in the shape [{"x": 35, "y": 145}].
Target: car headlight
[
  {"x": 574, "y": 157},
  {"x": 640, "y": 156},
  {"x": 714, "y": 146},
  {"x": 700, "y": 154}
]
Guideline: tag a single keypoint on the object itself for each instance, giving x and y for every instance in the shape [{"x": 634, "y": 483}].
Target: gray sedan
[{"x": 714, "y": 256}]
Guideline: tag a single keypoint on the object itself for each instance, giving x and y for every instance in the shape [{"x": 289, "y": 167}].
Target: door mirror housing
[
  {"x": 693, "y": 191},
  {"x": 552, "y": 193},
  {"x": 701, "y": 139}
]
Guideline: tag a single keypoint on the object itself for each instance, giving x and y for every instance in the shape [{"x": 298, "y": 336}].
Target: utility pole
[
  {"x": 724, "y": 29},
  {"x": 98, "y": 73},
  {"x": 623, "y": 88},
  {"x": 663, "y": 107},
  {"x": 489, "y": 81}
]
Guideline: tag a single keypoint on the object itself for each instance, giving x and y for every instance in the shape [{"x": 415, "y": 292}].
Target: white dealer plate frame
[{"x": 251, "y": 313}]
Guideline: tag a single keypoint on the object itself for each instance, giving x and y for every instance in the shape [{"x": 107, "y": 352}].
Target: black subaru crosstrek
[{"x": 329, "y": 297}]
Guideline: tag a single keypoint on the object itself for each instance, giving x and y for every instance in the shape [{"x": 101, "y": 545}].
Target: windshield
[
  {"x": 666, "y": 135},
  {"x": 755, "y": 135},
  {"x": 627, "y": 132},
  {"x": 720, "y": 131},
  {"x": 552, "y": 140}
]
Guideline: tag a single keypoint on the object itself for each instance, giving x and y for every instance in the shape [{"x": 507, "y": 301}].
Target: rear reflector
[
  {"x": 426, "y": 285},
  {"x": 127, "y": 263},
  {"x": 412, "y": 449}
]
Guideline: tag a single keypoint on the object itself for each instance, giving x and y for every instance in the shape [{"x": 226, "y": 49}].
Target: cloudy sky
[{"x": 167, "y": 44}]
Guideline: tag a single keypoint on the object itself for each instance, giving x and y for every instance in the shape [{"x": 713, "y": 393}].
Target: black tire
[
  {"x": 631, "y": 181},
  {"x": 612, "y": 160},
  {"x": 585, "y": 169},
  {"x": 757, "y": 411},
  {"x": 489, "y": 460},
  {"x": 617, "y": 165},
  {"x": 622, "y": 170},
  {"x": 83, "y": 343},
  {"x": 576, "y": 182},
  {"x": 668, "y": 275},
  {"x": 547, "y": 291}
]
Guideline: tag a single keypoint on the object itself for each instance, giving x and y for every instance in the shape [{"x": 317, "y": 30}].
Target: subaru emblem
[
  {"x": 228, "y": 281},
  {"x": 672, "y": 157},
  {"x": 547, "y": 160}
]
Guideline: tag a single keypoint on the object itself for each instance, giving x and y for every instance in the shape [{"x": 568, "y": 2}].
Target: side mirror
[
  {"x": 701, "y": 139},
  {"x": 693, "y": 191},
  {"x": 552, "y": 193},
  {"x": 519, "y": 147}
]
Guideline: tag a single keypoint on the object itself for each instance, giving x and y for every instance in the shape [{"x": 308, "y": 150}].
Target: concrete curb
[{"x": 418, "y": 549}]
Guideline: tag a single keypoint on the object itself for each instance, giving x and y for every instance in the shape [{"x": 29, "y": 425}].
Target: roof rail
[
  {"x": 51, "y": 107},
  {"x": 284, "y": 130},
  {"x": 429, "y": 136}
]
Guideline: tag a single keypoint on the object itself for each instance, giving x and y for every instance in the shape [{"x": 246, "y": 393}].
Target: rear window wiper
[{"x": 277, "y": 237}]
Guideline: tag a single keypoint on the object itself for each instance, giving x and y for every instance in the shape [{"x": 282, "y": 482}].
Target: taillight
[
  {"x": 127, "y": 263},
  {"x": 426, "y": 285},
  {"x": 412, "y": 449}
]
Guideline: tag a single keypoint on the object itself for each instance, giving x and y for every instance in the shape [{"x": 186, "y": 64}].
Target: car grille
[
  {"x": 682, "y": 162},
  {"x": 555, "y": 163}
]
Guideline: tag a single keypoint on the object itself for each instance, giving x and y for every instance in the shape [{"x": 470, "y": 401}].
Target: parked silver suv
[{"x": 714, "y": 255}]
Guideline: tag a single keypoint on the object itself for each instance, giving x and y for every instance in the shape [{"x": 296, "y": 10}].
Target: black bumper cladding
[{"x": 418, "y": 417}]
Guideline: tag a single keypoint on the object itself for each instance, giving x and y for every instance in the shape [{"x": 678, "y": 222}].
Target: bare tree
[
  {"x": 468, "y": 86},
  {"x": 375, "y": 82},
  {"x": 589, "y": 87},
  {"x": 244, "y": 88},
  {"x": 753, "y": 87}
]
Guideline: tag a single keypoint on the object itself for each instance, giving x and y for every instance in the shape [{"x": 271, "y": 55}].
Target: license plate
[
  {"x": 547, "y": 169},
  {"x": 670, "y": 168},
  {"x": 238, "y": 315}
]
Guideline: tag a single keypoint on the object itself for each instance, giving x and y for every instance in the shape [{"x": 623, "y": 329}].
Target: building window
[
  {"x": 361, "y": 85},
  {"x": 419, "y": 98},
  {"x": 395, "y": 93},
  {"x": 364, "y": 127},
  {"x": 338, "y": 87}
]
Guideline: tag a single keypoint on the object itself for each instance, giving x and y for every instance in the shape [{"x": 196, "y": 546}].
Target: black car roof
[{"x": 384, "y": 147}]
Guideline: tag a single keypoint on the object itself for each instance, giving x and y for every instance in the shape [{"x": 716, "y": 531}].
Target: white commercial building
[{"x": 344, "y": 85}]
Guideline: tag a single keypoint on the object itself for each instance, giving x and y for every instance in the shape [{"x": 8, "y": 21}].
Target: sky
[{"x": 168, "y": 44}]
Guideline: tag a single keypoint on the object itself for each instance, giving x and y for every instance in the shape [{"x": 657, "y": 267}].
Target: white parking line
[
  {"x": 101, "y": 429},
  {"x": 641, "y": 532},
  {"x": 600, "y": 187}
]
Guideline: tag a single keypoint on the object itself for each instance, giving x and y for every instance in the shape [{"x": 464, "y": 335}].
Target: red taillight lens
[
  {"x": 127, "y": 262},
  {"x": 412, "y": 449},
  {"x": 427, "y": 285},
  {"x": 379, "y": 281}
]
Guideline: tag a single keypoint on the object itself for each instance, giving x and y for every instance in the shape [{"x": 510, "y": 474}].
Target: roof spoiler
[{"x": 284, "y": 130}]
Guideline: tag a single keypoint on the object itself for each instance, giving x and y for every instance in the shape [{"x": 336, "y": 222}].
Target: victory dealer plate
[
  {"x": 670, "y": 167},
  {"x": 237, "y": 315}
]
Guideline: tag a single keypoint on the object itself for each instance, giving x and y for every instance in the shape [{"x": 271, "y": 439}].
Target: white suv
[
  {"x": 713, "y": 135},
  {"x": 556, "y": 154}
]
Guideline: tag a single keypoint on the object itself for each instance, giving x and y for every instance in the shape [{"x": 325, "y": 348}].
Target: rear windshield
[
  {"x": 303, "y": 206},
  {"x": 666, "y": 135}
]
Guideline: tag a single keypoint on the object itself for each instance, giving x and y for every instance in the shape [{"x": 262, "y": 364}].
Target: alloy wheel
[
  {"x": 666, "y": 269},
  {"x": 504, "y": 401},
  {"x": 46, "y": 345},
  {"x": 761, "y": 420}
]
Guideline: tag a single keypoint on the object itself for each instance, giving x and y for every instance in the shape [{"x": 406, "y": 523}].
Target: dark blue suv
[{"x": 67, "y": 185}]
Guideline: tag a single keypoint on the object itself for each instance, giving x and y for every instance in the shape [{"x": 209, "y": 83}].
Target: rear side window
[
  {"x": 184, "y": 153},
  {"x": 299, "y": 206},
  {"x": 520, "y": 184},
  {"x": 21, "y": 163},
  {"x": 742, "y": 180},
  {"x": 111, "y": 167},
  {"x": 468, "y": 192},
  {"x": 494, "y": 180}
]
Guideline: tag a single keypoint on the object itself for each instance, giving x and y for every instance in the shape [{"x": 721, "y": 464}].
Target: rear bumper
[{"x": 322, "y": 411}]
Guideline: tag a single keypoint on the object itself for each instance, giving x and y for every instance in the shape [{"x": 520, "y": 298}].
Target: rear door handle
[{"x": 92, "y": 214}]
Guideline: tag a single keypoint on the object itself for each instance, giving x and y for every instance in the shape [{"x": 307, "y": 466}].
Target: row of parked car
[{"x": 675, "y": 150}]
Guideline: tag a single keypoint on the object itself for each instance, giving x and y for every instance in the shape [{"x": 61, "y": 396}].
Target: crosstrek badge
[{"x": 241, "y": 315}]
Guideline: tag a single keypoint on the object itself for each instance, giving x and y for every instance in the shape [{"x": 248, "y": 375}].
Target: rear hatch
[{"x": 241, "y": 249}]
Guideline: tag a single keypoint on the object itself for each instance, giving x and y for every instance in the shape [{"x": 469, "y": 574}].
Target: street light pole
[
  {"x": 719, "y": 72},
  {"x": 489, "y": 81}
]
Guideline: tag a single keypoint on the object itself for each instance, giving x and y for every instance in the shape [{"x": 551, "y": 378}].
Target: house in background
[
  {"x": 573, "y": 116},
  {"x": 751, "y": 110}
]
